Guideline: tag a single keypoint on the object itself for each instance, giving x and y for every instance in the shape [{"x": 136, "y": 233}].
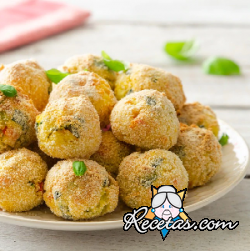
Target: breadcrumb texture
[
  {"x": 22, "y": 173},
  {"x": 31, "y": 77},
  {"x": 200, "y": 115},
  {"x": 94, "y": 87},
  {"x": 146, "y": 119},
  {"x": 49, "y": 160},
  {"x": 140, "y": 77},
  {"x": 111, "y": 152},
  {"x": 200, "y": 153},
  {"x": 139, "y": 171},
  {"x": 72, "y": 197},
  {"x": 91, "y": 63},
  {"x": 69, "y": 128},
  {"x": 17, "y": 120}
]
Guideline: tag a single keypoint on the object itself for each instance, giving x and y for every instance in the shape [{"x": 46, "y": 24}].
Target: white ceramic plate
[{"x": 234, "y": 165}]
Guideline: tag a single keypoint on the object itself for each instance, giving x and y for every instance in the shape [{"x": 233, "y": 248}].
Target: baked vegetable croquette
[
  {"x": 146, "y": 119},
  {"x": 91, "y": 63},
  {"x": 200, "y": 153},
  {"x": 31, "y": 77},
  {"x": 69, "y": 128},
  {"x": 139, "y": 171},
  {"x": 200, "y": 115},
  {"x": 17, "y": 120},
  {"x": 111, "y": 152},
  {"x": 140, "y": 77},
  {"x": 72, "y": 197},
  {"x": 22, "y": 173},
  {"x": 94, "y": 87}
]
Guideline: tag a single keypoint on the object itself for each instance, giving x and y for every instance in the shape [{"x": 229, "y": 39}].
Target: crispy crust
[
  {"x": 49, "y": 160},
  {"x": 22, "y": 174},
  {"x": 140, "y": 77},
  {"x": 200, "y": 115},
  {"x": 91, "y": 63},
  {"x": 146, "y": 119},
  {"x": 200, "y": 153},
  {"x": 17, "y": 121},
  {"x": 29, "y": 76},
  {"x": 93, "y": 194},
  {"x": 139, "y": 171},
  {"x": 69, "y": 128},
  {"x": 91, "y": 85},
  {"x": 111, "y": 152}
]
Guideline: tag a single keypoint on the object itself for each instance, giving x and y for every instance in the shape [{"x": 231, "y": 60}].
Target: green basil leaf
[
  {"x": 220, "y": 66},
  {"x": 56, "y": 76},
  {"x": 106, "y": 56},
  {"x": 8, "y": 90},
  {"x": 182, "y": 50},
  {"x": 114, "y": 65},
  {"x": 79, "y": 168},
  {"x": 224, "y": 139}
]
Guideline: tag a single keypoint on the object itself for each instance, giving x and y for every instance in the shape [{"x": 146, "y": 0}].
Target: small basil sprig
[
  {"x": 182, "y": 50},
  {"x": 8, "y": 90},
  {"x": 79, "y": 168},
  {"x": 220, "y": 66},
  {"x": 114, "y": 65},
  {"x": 56, "y": 76},
  {"x": 224, "y": 139}
]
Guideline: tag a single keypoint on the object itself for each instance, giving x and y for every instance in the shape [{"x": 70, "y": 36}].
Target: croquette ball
[
  {"x": 146, "y": 119},
  {"x": 72, "y": 197},
  {"x": 94, "y": 87},
  {"x": 22, "y": 173},
  {"x": 31, "y": 77},
  {"x": 90, "y": 63},
  {"x": 111, "y": 152},
  {"x": 69, "y": 128},
  {"x": 17, "y": 121},
  {"x": 139, "y": 171},
  {"x": 140, "y": 77},
  {"x": 49, "y": 160},
  {"x": 200, "y": 153},
  {"x": 200, "y": 115}
]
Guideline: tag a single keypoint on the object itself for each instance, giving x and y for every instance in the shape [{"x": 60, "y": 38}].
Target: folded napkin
[{"x": 31, "y": 20}]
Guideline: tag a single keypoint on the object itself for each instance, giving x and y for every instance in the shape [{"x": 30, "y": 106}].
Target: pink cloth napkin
[{"x": 31, "y": 20}]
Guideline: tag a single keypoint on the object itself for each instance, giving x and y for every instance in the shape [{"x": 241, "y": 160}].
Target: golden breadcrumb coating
[
  {"x": 146, "y": 119},
  {"x": 31, "y": 77},
  {"x": 17, "y": 120},
  {"x": 200, "y": 153},
  {"x": 94, "y": 87},
  {"x": 200, "y": 115},
  {"x": 91, "y": 63},
  {"x": 111, "y": 152},
  {"x": 69, "y": 128},
  {"x": 72, "y": 197},
  {"x": 140, "y": 77},
  {"x": 22, "y": 173},
  {"x": 139, "y": 171},
  {"x": 49, "y": 160}
]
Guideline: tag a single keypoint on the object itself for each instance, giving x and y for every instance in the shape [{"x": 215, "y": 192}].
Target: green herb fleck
[
  {"x": 31, "y": 183},
  {"x": 220, "y": 66},
  {"x": 56, "y": 76},
  {"x": 8, "y": 90},
  {"x": 79, "y": 168},
  {"x": 182, "y": 50},
  {"x": 114, "y": 65},
  {"x": 224, "y": 139}
]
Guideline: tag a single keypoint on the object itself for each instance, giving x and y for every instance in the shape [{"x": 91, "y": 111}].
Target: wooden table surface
[{"x": 136, "y": 30}]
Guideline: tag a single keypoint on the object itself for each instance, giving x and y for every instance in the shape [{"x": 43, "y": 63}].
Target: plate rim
[{"x": 107, "y": 224}]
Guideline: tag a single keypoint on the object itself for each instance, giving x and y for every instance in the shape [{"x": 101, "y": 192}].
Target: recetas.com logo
[{"x": 167, "y": 213}]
